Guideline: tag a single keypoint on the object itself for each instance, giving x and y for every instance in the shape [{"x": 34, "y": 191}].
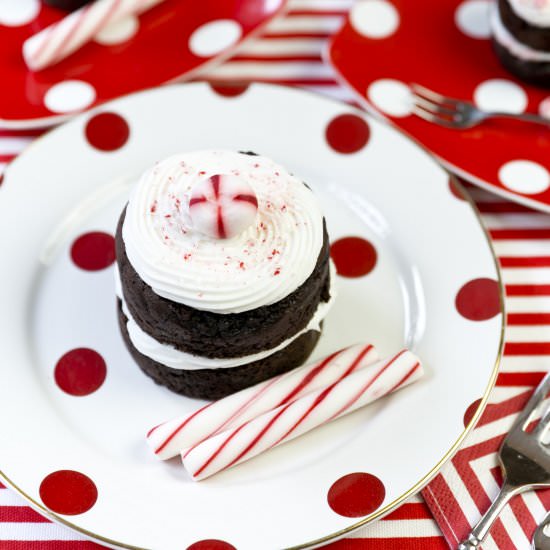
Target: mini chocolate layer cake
[
  {"x": 522, "y": 45},
  {"x": 224, "y": 272}
]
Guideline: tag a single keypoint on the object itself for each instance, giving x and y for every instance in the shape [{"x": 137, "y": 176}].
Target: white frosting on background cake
[
  {"x": 169, "y": 356},
  {"x": 535, "y": 12},
  {"x": 515, "y": 47},
  {"x": 260, "y": 266}
]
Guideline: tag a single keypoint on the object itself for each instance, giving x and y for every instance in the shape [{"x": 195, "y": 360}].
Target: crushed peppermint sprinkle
[{"x": 277, "y": 271}]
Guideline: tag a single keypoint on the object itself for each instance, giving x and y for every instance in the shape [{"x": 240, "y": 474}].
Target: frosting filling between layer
[
  {"x": 171, "y": 357},
  {"x": 503, "y": 36}
]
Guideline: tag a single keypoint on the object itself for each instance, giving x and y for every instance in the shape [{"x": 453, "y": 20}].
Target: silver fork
[
  {"x": 541, "y": 540},
  {"x": 457, "y": 114},
  {"x": 524, "y": 459}
]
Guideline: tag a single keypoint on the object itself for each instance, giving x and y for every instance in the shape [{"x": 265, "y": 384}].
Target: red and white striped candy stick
[
  {"x": 170, "y": 438},
  {"x": 61, "y": 39},
  {"x": 286, "y": 422}
]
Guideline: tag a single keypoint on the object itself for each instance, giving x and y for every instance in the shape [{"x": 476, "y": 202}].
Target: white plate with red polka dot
[
  {"x": 170, "y": 42},
  {"x": 415, "y": 269},
  {"x": 446, "y": 47}
]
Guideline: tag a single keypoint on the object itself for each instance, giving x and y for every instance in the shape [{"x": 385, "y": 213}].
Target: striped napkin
[{"x": 470, "y": 481}]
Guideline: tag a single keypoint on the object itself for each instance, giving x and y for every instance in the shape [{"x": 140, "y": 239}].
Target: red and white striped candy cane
[
  {"x": 289, "y": 421},
  {"x": 170, "y": 438},
  {"x": 61, "y": 39}
]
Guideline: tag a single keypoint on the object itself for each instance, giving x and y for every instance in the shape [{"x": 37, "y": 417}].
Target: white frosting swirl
[
  {"x": 169, "y": 356},
  {"x": 517, "y": 49},
  {"x": 535, "y": 12},
  {"x": 261, "y": 266}
]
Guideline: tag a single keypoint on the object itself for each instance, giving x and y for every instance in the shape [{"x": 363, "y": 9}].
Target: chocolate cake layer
[
  {"x": 217, "y": 383},
  {"x": 536, "y": 73},
  {"x": 217, "y": 335},
  {"x": 537, "y": 38}
]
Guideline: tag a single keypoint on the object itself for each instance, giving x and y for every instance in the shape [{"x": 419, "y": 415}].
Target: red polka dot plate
[
  {"x": 172, "y": 41},
  {"x": 414, "y": 269},
  {"x": 385, "y": 45}
]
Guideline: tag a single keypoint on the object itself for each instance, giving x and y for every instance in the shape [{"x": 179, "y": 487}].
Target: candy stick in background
[
  {"x": 61, "y": 39},
  {"x": 170, "y": 438},
  {"x": 289, "y": 421}
]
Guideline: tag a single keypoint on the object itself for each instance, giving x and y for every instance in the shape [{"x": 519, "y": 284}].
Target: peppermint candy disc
[{"x": 222, "y": 206}]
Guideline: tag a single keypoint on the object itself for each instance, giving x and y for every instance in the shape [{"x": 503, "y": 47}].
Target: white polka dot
[
  {"x": 544, "y": 108},
  {"x": 214, "y": 37},
  {"x": 18, "y": 12},
  {"x": 391, "y": 96},
  {"x": 524, "y": 176},
  {"x": 374, "y": 18},
  {"x": 501, "y": 95},
  {"x": 119, "y": 31},
  {"x": 68, "y": 96},
  {"x": 472, "y": 18}
]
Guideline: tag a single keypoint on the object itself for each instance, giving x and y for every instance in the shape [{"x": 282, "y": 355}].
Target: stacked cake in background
[
  {"x": 521, "y": 36},
  {"x": 224, "y": 272}
]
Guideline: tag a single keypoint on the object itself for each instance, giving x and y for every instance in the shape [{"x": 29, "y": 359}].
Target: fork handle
[
  {"x": 526, "y": 117},
  {"x": 480, "y": 530}
]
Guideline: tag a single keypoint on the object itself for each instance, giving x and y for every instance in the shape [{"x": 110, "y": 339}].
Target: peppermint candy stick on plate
[
  {"x": 63, "y": 38},
  {"x": 295, "y": 418},
  {"x": 170, "y": 438}
]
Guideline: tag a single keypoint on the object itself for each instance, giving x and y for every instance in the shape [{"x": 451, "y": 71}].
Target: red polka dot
[
  {"x": 211, "y": 544},
  {"x": 80, "y": 371},
  {"x": 347, "y": 133},
  {"x": 479, "y": 300},
  {"x": 470, "y": 411},
  {"x": 229, "y": 89},
  {"x": 455, "y": 190},
  {"x": 68, "y": 492},
  {"x": 107, "y": 131},
  {"x": 93, "y": 251},
  {"x": 353, "y": 256},
  {"x": 356, "y": 495}
]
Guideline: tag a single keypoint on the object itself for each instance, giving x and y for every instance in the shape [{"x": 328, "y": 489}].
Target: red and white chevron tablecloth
[{"x": 289, "y": 52}]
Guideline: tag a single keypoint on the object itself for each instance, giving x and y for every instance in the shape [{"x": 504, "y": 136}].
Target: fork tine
[
  {"x": 431, "y": 117},
  {"x": 543, "y": 424},
  {"x": 433, "y": 107},
  {"x": 534, "y": 403},
  {"x": 425, "y": 93}
]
